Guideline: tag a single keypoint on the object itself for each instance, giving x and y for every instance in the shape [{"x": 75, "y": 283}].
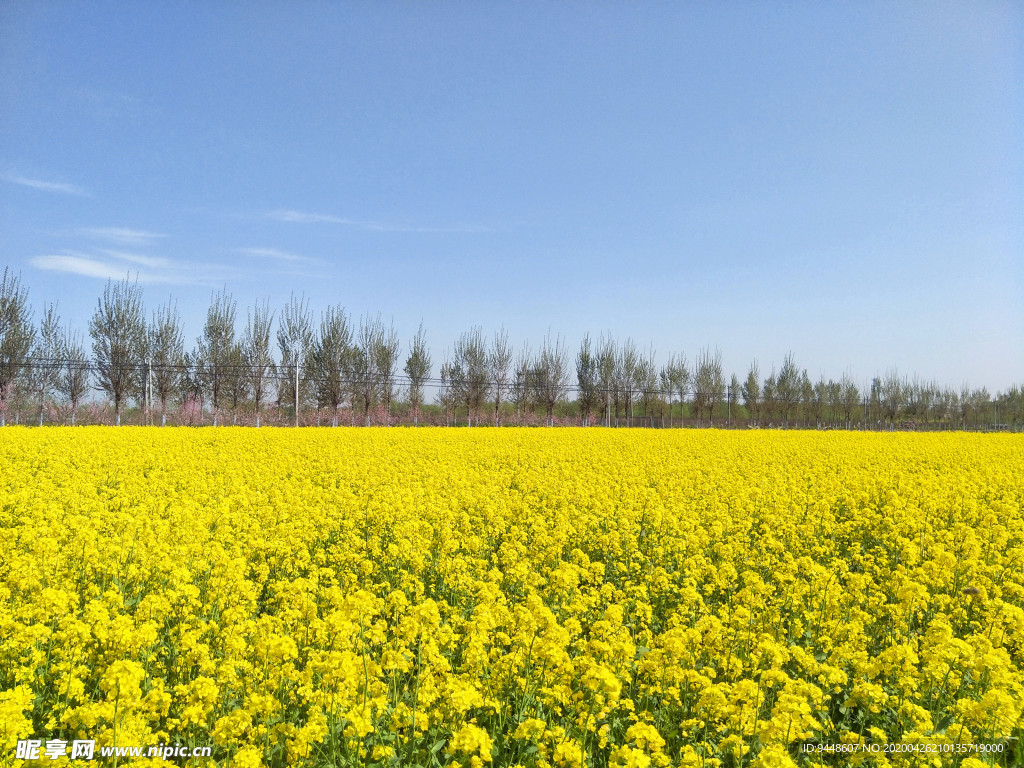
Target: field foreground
[{"x": 514, "y": 597}]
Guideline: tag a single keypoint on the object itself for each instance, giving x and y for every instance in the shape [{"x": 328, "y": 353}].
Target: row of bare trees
[{"x": 342, "y": 369}]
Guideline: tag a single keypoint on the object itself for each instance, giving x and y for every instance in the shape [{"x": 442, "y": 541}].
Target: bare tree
[
  {"x": 646, "y": 382},
  {"x": 806, "y": 398},
  {"x": 948, "y": 404},
  {"x": 521, "y": 382},
  {"x": 294, "y": 337},
  {"x": 470, "y": 371},
  {"x": 118, "y": 330},
  {"x": 17, "y": 334},
  {"x": 834, "y": 400},
  {"x": 963, "y": 403},
  {"x": 190, "y": 388},
  {"x": 625, "y": 378},
  {"x": 709, "y": 384},
  {"x": 73, "y": 381},
  {"x": 679, "y": 372},
  {"x": 167, "y": 353},
  {"x": 330, "y": 358},
  {"x": 256, "y": 354},
  {"x": 417, "y": 368},
  {"x": 586, "y": 380},
  {"x": 873, "y": 412},
  {"x": 926, "y": 397},
  {"x": 849, "y": 396},
  {"x": 769, "y": 397},
  {"x": 46, "y": 354},
  {"x": 216, "y": 349},
  {"x": 981, "y": 403},
  {"x": 669, "y": 379},
  {"x": 499, "y": 361},
  {"x": 365, "y": 369},
  {"x": 236, "y": 381},
  {"x": 1012, "y": 406},
  {"x": 787, "y": 387},
  {"x": 140, "y": 384},
  {"x": 607, "y": 356},
  {"x": 752, "y": 394},
  {"x": 385, "y": 364},
  {"x": 733, "y": 396},
  {"x": 893, "y": 395},
  {"x": 448, "y": 395},
  {"x": 551, "y": 374},
  {"x": 819, "y": 401}
]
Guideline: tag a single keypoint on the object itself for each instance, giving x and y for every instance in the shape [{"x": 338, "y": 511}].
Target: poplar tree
[
  {"x": 46, "y": 355},
  {"x": 709, "y": 384},
  {"x": 499, "y": 362},
  {"x": 330, "y": 360},
  {"x": 893, "y": 395},
  {"x": 646, "y": 382},
  {"x": 625, "y": 377},
  {"x": 385, "y": 365},
  {"x": 17, "y": 334},
  {"x": 73, "y": 381},
  {"x": 849, "y": 397},
  {"x": 586, "y": 379},
  {"x": 469, "y": 372},
  {"x": 236, "y": 379},
  {"x": 521, "y": 382},
  {"x": 752, "y": 393},
  {"x": 787, "y": 387},
  {"x": 294, "y": 339},
  {"x": 215, "y": 353},
  {"x": 166, "y": 354},
  {"x": 448, "y": 396},
  {"x": 118, "y": 330},
  {"x": 551, "y": 374},
  {"x": 417, "y": 368},
  {"x": 375, "y": 359},
  {"x": 607, "y": 356},
  {"x": 256, "y": 354}
]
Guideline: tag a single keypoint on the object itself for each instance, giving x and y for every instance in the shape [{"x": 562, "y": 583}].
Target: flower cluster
[{"x": 515, "y": 597}]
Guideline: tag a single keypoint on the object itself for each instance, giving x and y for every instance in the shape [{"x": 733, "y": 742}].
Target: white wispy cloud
[
  {"x": 144, "y": 269},
  {"x": 45, "y": 186},
  {"x": 305, "y": 217},
  {"x": 121, "y": 235},
  {"x": 154, "y": 262},
  {"x": 272, "y": 253},
  {"x": 83, "y": 265},
  {"x": 455, "y": 228}
]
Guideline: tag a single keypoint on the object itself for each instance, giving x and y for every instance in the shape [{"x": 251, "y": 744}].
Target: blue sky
[{"x": 843, "y": 181}]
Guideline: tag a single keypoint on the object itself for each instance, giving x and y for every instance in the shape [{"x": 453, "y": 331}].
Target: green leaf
[{"x": 437, "y": 746}]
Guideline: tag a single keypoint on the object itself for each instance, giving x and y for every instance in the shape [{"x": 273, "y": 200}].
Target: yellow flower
[{"x": 471, "y": 739}]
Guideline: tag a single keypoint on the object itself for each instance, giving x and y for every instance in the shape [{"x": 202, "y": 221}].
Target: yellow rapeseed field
[{"x": 513, "y": 597}]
